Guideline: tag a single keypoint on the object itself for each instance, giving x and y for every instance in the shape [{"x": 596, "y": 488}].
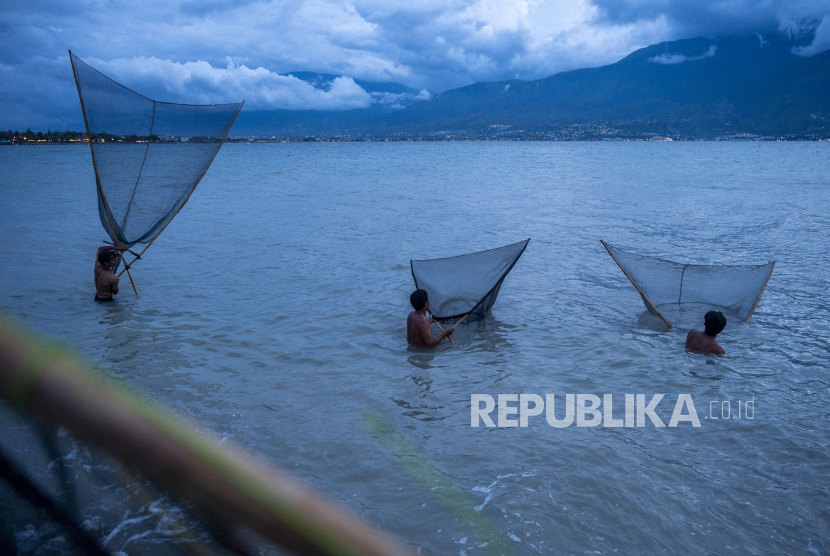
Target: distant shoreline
[
  {"x": 574, "y": 133},
  {"x": 247, "y": 140}
]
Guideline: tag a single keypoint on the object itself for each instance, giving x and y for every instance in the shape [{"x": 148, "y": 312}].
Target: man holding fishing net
[
  {"x": 418, "y": 325},
  {"x": 106, "y": 281}
]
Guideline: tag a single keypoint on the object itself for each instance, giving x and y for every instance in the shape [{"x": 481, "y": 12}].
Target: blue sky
[{"x": 224, "y": 51}]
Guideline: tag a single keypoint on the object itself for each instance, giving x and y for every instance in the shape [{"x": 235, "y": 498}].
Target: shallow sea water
[{"x": 272, "y": 312}]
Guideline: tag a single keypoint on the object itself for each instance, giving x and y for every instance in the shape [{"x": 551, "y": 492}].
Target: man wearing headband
[
  {"x": 106, "y": 281},
  {"x": 705, "y": 341}
]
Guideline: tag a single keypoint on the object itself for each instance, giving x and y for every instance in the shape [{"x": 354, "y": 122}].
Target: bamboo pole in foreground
[{"x": 241, "y": 494}]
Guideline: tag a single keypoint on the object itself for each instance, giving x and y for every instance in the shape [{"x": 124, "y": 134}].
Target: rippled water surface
[{"x": 272, "y": 311}]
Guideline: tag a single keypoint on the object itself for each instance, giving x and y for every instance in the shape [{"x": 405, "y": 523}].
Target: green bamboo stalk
[{"x": 47, "y": 379}]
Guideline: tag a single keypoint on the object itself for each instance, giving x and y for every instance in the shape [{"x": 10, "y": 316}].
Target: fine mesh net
[
  {"x": 149, "y": 156},
  {"x": 680, "y": 292},
  {"x": 467, "y": 284}
]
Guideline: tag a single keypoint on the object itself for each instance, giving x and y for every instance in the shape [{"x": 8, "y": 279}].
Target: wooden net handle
[
  {"x": 441, "y": 329},
  {"x": 460, "y": 321}
]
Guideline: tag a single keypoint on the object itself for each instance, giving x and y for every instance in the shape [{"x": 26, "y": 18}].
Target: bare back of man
[
  {"x": 700, "y": 341},
  {"x": 706, "y": 340},
  {"x": 106, "y": 281}
]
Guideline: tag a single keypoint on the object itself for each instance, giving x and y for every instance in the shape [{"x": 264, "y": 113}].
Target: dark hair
[
  {"x": 105, "y": 256},
  {"x": 714, "y": 321},
  {"x": 418, "y": 299}
]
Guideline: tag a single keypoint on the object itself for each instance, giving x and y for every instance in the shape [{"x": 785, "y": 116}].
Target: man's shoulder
[{"x": 693, "y": 339}]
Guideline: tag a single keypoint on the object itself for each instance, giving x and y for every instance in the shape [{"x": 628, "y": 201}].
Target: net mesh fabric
[
  {"x": 149, "y": 156},
  {"x": 466, "y": 283},
  {"x": 676, "y": 289}
]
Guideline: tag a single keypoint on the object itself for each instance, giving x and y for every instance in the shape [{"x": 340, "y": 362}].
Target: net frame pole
[
  {"x": 97, "y": 177},
  {"x": 192, "y": 190},
  {"x": 636, "y": 286},
  {"x": 757, "y": 301},
  {"x": 442, "y": 330},
  {"x": 127, "y": 268},
  {"x": 460, "y": 321}
]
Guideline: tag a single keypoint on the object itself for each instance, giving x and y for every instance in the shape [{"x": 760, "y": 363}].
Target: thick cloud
[
  {"x": 821, "y": 40},
  {"x": 201, "y": 83},
  {"x": 179, "y": 50},
  {"x": 719, "y": 17}
]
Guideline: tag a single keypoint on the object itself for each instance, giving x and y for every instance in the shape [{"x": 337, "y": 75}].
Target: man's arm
[
  {"x": 426, "y": 333},
  {"x": 112, "y": 248}
]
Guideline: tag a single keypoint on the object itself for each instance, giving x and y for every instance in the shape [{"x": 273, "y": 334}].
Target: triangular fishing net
[
  {"x": 678, "y": 292},
  {"x": 466, "y": 284},
  {"x": 148, "y": 156}
]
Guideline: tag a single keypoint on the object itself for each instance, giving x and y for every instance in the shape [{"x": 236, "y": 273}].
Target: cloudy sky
[{"x": 226, "y": 50}]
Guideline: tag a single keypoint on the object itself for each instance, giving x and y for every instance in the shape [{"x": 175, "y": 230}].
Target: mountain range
[{"x": 690, "y": 88}]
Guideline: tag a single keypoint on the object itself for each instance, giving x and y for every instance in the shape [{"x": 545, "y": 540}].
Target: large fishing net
[
  {"x": 149, "y": 156},
  {"x": 466, "y": 284},
  {"x": 683, "y": 293}
]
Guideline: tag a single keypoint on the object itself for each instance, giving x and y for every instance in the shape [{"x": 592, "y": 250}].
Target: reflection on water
[
  {"x": 424, "y": 357},
  {"x": 273, "y": 311},
  {"x": 488, "y": 334}
]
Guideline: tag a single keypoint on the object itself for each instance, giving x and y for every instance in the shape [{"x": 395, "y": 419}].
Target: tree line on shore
[
  {"x": 30, "y": 136},
  {"x": 69, "y": 136}
]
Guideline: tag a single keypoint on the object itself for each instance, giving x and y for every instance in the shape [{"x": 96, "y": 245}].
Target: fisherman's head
[
  {"x": 714, "y": 321},
  {"x": 419, "y": 299},
  {"x": 108, "y": 258}
]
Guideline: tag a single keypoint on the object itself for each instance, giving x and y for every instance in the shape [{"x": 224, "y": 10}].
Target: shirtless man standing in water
[
  {"x": 106, "y": 281},
  {"x": 418, "y": 329},
  {"x": 705, "y": 341}
]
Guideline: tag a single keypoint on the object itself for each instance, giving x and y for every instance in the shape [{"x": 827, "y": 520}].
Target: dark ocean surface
[{"x": 272, "y": 312}]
